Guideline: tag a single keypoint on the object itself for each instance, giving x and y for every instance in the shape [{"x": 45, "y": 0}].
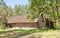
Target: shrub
[{"x": 2, "y": 26}]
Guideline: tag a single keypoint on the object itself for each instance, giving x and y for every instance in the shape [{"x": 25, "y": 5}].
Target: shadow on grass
[
  {"x": 23, "y": 32},
  {"x": 27, "y": 32}
]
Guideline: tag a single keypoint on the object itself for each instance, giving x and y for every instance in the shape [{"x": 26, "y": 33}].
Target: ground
[{"x": 36, "y": 33}]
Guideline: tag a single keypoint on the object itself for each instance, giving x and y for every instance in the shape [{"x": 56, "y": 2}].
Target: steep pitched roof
[{"x": 19, "y": 19}]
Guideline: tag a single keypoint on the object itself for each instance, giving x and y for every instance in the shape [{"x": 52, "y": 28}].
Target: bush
[{"x": 2, "y": 26}]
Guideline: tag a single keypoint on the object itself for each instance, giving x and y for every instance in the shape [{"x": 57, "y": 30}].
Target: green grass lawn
[
  {"x": 20, "y": 33},
  {"x": 24, "y": 31}
]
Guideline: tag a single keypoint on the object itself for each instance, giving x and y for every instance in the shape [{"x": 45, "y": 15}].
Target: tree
[
  {"x": 5, "y": 12},
  {"x": 17, "y": 10},
  {"x": 37, "y": 6},
  {"x": 45, "y": 6}
]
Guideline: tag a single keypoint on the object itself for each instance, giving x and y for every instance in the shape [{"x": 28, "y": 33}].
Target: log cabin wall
[{"x": 30, "y": 25}]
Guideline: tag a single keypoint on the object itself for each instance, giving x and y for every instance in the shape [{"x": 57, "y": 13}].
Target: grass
[
  {"x": 25, "y": 31},
  {"x": 18, "y": 33},
  {"x": 46, "y": 33}
]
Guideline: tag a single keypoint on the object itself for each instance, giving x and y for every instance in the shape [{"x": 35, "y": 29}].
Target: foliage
[
  {"x": 20, "y": 10},
  {"x": 7, "y": 12},
  {"x": 17, "y": 9},
  {"x": 50, "y": 7},
  {"x": 2, "y": 27}
]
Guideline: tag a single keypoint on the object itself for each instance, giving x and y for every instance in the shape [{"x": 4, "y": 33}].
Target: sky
[{"x": 12, "y": 3}]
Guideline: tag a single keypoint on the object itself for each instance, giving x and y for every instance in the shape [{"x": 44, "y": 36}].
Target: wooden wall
[{"x": 31, "y": 25}]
